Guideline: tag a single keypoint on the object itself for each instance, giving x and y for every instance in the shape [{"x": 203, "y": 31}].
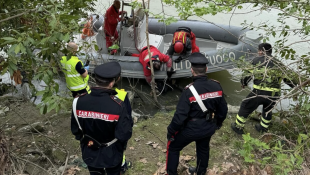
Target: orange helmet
[{"x": 178, "y": 47}]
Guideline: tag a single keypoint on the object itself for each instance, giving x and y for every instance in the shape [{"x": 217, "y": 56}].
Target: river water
[{"x": 229, "y": 79}]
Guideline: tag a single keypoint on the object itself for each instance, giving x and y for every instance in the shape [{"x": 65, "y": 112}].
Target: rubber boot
[
  {"x": 260, "y": 128},
  {"x": 237, "y": 129},
  {"x": 126, "y": 166},
  {"x": 192, "y": 170}
]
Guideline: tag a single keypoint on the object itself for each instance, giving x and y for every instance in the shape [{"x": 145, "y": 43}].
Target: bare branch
[
  {"x": 232, "y": 15},
  {"x": 281, "y": 137},
  {"x": 15, "y": 16}
]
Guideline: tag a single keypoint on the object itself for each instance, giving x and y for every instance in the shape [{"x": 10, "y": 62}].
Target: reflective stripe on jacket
[{"x": 74, "y": 80}]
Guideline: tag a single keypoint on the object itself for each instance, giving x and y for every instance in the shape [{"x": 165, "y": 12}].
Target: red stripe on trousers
[{"x": 168, "y": 144}]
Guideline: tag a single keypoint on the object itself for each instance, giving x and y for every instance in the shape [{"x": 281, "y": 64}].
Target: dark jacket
[
  {"x": 274, "y": 78},
  {"x": 103, "y": 117},
  {"x": 189, "y": 118}
]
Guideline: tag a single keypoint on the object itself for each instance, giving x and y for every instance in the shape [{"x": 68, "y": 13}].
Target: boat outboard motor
[{"x": 97, "y": 22}]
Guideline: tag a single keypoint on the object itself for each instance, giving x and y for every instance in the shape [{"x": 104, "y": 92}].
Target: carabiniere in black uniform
[
  {"x": 190, "y": 123},
  {"x": 103, "y": 118}
]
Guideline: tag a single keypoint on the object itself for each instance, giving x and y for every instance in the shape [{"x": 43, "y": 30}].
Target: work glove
[
  {"x": 179, "y": 59},
  {"x": 169, "y": 73},
  {"x": 86, "y": 67}
]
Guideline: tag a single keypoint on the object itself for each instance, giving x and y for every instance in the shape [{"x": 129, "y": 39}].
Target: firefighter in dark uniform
[
  {"x": 102, "y": 123},
  {"x": 264, "y": 92},
  {"x": 196, "y": 119}
]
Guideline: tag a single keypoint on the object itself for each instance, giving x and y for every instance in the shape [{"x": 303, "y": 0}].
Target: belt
[
  {"x": 109, "y": 143},
  {"x": 208, "y": 117},
  {"x": 91, "y": 142}
]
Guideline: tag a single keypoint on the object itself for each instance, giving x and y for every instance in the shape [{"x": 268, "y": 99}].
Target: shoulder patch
[
  {"x": 186, "y": 87},
  {"x": 116, "y": 99},
  {"x": 215, "y": 81}
]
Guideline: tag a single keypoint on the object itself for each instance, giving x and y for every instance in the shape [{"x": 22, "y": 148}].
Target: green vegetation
[{"x": 27, "y": 25}]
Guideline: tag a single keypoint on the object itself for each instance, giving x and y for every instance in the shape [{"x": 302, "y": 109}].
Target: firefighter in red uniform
[
  {"x": 157, "y": 59},
  {"x": 183, "y": 43},
  {"x": 111, "y": 20},
  {"x": 193, "y": 119},
  {"x": 102, "y": 124}
]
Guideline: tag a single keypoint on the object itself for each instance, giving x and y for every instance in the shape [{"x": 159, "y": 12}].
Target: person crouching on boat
[
  {"x": 183, "y": 43},
  {"x": 157, "y": 59},
  {"x": 111, "y": 19}
]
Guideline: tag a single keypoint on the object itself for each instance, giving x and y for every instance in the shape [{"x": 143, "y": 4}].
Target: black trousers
[
  {"x": 180, "y": 141},
  {"x": 75, "y": 93},
  {"x": 109, "y": 171},
  {"x": 253, "y": 100}
]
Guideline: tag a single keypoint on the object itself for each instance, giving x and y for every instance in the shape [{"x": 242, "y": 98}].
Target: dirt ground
[{"x": 48, "y": 146}]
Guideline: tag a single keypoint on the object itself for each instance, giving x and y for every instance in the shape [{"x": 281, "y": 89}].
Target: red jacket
[
  {"x": 111, "y": 19},
  {"x": 195, "y": 48},
  {"x": 189, "y": 41},
  {"x": 144, "y": 60}
]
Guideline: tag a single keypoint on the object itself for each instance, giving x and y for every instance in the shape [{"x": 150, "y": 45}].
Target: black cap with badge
[
  {"x": 108, "y": 70},
  {"x": 197, "y": 59}
]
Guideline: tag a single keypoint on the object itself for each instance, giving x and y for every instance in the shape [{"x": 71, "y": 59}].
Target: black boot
[
  {"x": 126, "y": 166},
  {"x": 127, "y": 53},
  {"x": 236, "y": 128},
  {"x": 192, "y": 170},
  {"x": 260, "y": 128}
]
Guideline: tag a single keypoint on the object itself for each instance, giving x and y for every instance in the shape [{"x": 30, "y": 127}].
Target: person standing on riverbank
[
  {"x": 200, "y": 112},
  {"x": 266, "y": 90},
  {"x": 101, "y": 122},
  {"x": 111, "y": 19},
  {"x": 183, "y": 43},
  {"x": 76, "y": 75}
]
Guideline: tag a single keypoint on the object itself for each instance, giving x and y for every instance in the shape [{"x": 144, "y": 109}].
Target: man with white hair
[{"x": 76, "y": 75}]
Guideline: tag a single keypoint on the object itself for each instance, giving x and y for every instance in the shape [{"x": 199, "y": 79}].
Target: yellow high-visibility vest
[
  {"x": 74, "y": 80},
  {"x": 121, "y": 93}
]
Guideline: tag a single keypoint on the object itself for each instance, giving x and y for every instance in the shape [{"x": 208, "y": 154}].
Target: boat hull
[{"x": 221, "y": 44}]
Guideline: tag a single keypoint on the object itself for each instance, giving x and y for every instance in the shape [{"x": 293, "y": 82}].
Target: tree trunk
[{"x": 150, "y": 55}]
